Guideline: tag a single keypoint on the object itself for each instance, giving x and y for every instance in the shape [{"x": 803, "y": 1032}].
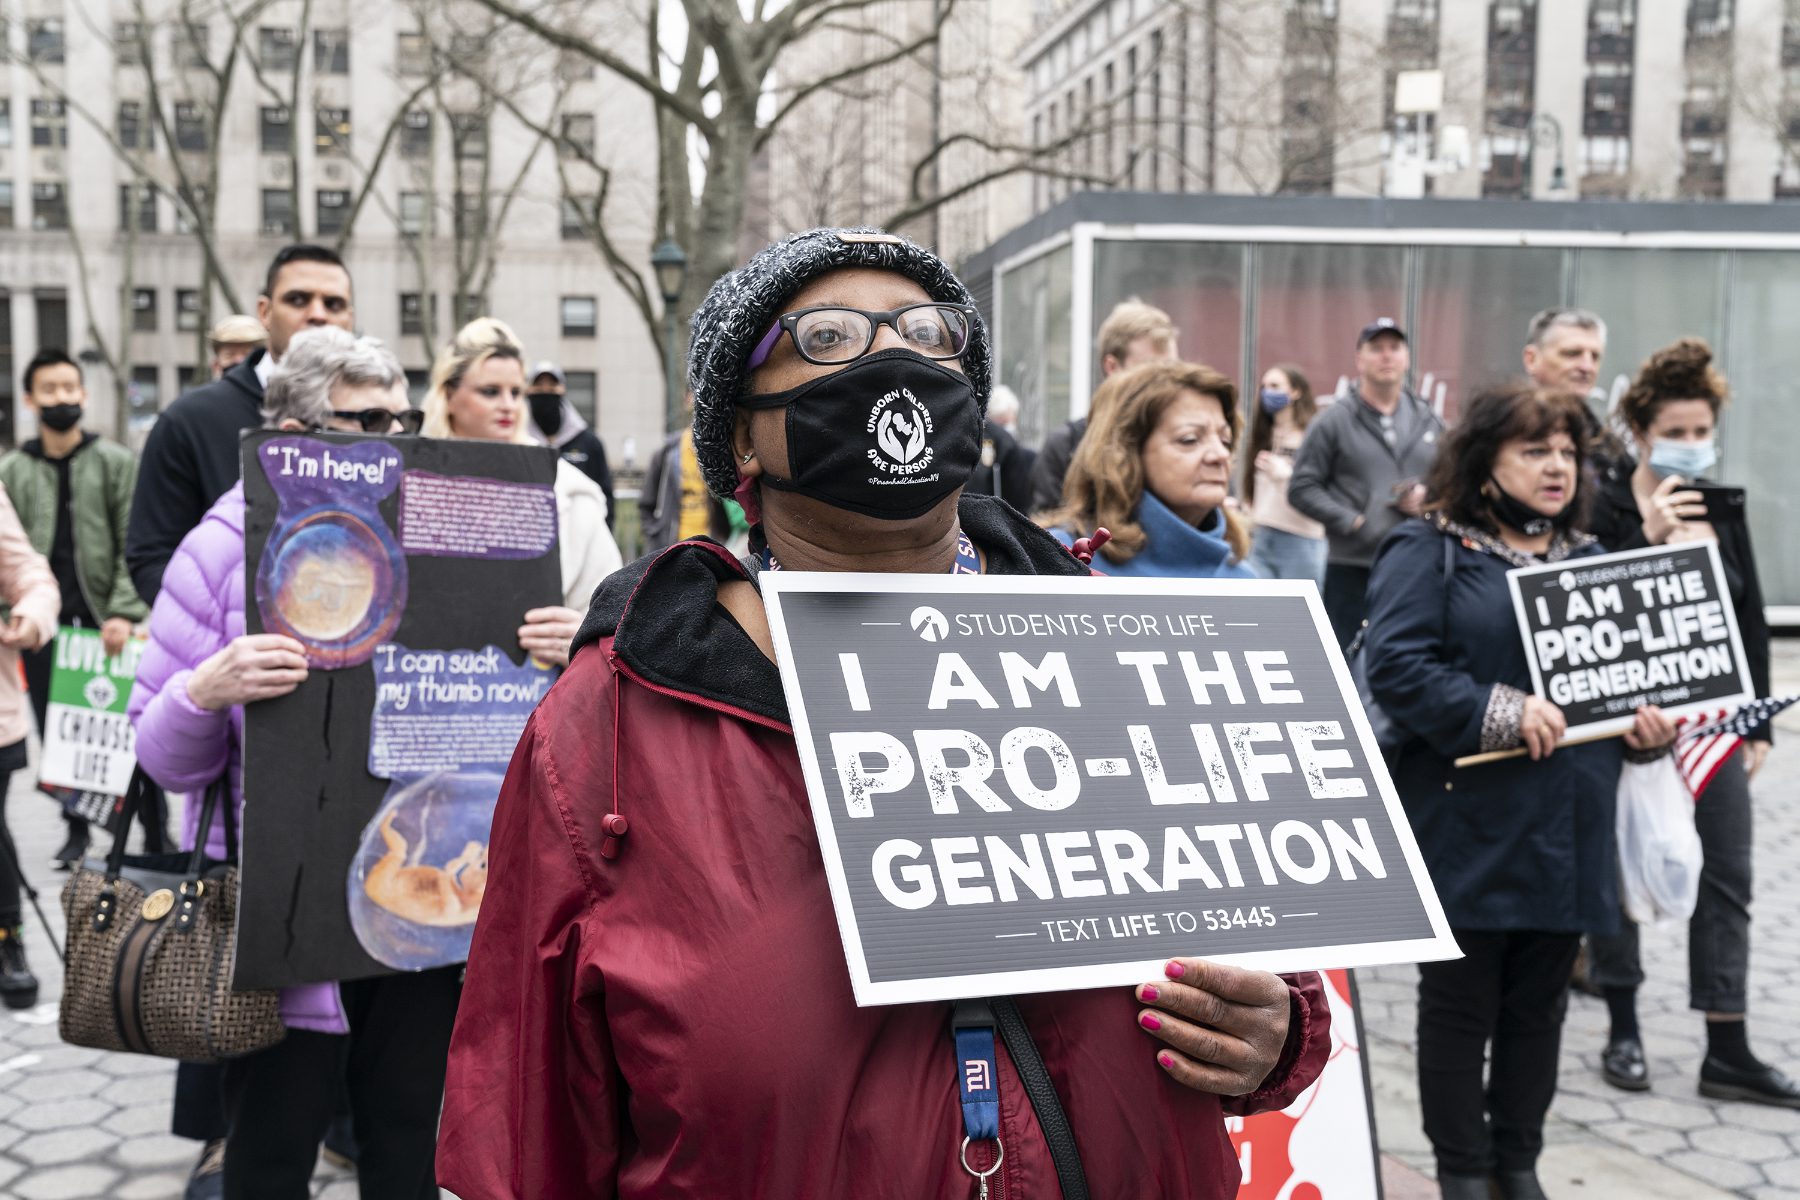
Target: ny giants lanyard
[
  {"x": 967, "y": 561},
  {"x": 977, "y": 1083}
]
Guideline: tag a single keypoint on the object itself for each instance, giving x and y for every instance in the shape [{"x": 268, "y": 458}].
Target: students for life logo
[
  {"x": 930, "y": 624},
  {"x": 902, "y": 428}
]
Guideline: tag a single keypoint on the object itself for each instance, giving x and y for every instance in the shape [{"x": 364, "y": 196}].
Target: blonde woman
[
  {"x": 1154, "y": 470},
  {"x": 478, "y": 391}
]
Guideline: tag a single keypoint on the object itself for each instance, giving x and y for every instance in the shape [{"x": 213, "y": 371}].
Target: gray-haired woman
[{"x": 387, "y": 1037}]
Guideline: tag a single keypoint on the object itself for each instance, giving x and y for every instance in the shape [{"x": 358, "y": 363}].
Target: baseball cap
[
  {"x": 1376, "y": 328},
  {"x": 238, "y": 330},
  {"x": 546, "y": 367}
]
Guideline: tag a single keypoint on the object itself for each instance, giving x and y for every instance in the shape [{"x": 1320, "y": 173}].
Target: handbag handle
[{"x": 134, "y": 797}]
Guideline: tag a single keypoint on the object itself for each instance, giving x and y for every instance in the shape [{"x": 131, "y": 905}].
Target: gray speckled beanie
[{"x": 743, "y": 304}]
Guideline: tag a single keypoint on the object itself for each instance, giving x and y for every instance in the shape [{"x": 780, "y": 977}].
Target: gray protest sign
[
  {"x": 1609, "y": 634},
  {"x": 1029, "y": 784}
]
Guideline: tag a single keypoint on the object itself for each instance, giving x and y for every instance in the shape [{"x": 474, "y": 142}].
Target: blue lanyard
[
  {"x": 967, "y": 561},
  {"x": 977, "y": 1069}
]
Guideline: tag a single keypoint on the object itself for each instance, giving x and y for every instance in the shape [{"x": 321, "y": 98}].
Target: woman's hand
[
  {"x": 20, "y": 633},
  {"x": 1224, "y": 1026},
  {"x": 1650, "y": 729},
  {"x": 547, "y": 632},
  {"x": 1669, "y": 510},
  {"x": 114, "y": 633},
  {"x": 1541, "y": 726},
  {"x": 256, "y": 666},
  {"x": 1277, "y": 466},
  {"x": 1755, "y": 754}
]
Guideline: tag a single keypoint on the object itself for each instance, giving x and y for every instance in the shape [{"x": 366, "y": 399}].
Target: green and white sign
[{"x": 88, "y": 742}]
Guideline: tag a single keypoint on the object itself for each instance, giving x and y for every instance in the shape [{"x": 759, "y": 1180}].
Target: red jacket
[{"x": 677, "y": 1021}]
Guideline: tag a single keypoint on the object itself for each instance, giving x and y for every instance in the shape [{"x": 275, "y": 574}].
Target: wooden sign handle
[{"x": 1476, "y": 760}]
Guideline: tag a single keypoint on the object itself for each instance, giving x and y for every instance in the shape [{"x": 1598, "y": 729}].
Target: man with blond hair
[{"x": 1134, "y": 333}]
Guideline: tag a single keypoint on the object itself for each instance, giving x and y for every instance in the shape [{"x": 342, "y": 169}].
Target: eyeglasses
[
  {"x": 831, "y": 335},
  {"x": 381, "y": 420}
]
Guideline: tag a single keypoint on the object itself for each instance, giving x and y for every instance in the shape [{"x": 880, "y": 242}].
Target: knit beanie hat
[{"x": 741, "y": 306}]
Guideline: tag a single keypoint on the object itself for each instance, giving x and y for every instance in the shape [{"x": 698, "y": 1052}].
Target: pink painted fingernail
[
  {"x": 1149, "y": 1021},
  {"x": 1167, "y": 1061},
  {"x": 1148, "y": 991},
  {"x": 1174, "y": 970}
]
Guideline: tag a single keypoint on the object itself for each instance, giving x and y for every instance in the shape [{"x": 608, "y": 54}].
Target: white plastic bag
[{"x": 1659, "y": 849}]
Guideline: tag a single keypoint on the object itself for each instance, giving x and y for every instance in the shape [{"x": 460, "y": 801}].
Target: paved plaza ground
[{"x": 78, "y": 1123}]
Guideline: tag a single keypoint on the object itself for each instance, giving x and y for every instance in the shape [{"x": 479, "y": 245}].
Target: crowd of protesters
[{"x": 688, "y": 1029}]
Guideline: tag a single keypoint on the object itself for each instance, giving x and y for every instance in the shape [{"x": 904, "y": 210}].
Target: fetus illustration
[{"x": 446, "y": 895}]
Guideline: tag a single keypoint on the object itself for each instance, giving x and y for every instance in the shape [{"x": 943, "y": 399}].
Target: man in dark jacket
[
  {"x": 1360, "y": 466},
  {"x": 1005, "y": 468},
  {"x": 191, "y": 457},
  {"x": 559, "y": 425}
]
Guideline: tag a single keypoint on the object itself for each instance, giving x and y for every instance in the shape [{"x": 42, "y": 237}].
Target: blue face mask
[
  {"x": 1689, "y": 460},
  {"x": 1274, "y": 399}
]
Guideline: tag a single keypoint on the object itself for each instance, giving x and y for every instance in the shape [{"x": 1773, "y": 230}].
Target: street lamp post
[
  {"x": 1545, "y": 125},
  {"x": 670, "y": 265}
]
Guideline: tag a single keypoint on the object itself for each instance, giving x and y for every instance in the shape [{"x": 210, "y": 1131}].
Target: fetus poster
[{"x": 404, "y": 566}]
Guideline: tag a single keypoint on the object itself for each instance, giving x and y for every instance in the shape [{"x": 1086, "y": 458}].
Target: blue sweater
[{"x": 1173, "y": 549}]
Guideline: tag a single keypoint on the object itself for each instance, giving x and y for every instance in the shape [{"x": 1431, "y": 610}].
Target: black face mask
[
  {"x": 888, "y": 436},
  {"x": 546, "y": 411},
  {"x": 1516, "y": 514},
  {"x": 60, "y": 417}
]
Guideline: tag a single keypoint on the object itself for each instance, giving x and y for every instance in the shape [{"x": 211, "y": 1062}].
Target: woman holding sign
[
  {"x": 1521, "y": 850},
  {"x": 478, "y": 391},
  {"x": 657, "y": 1001},
  {"x": 1673, "y": 412}
]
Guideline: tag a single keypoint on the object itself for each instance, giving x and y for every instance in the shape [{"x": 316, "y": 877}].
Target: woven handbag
[{"x": 151, "y": 941}]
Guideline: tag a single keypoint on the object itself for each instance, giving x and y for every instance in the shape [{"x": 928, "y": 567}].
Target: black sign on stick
[
  {"x": 1609, "y": 634},
  {"x": 405, "y": 567},
  {"x": 1029, "y": 784}
]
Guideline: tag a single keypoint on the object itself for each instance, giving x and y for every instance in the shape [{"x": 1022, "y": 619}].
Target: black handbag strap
[
  {"x": 135, "y": 792},
  {"x": 1071, "y": 1176}
]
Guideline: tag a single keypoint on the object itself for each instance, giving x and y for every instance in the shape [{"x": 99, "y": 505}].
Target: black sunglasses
[{"x": 381, "y": 420}]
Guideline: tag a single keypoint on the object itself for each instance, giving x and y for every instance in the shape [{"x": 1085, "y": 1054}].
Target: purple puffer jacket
[{"x": 185, "y": 747}]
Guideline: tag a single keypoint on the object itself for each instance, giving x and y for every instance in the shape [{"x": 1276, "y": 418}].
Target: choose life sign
[
  {"x": 1609, "y": 634},
  {"x": 89, "y": 744},
  {"x": 1031, "y": 784}
]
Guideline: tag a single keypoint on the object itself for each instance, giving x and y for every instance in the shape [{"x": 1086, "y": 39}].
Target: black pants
[
  {"x": 1509, "y": 989},
  {"x": 1346, "y": 596},
  {"x": 12, "y": 758},
  {"x": 280, "y": 1100},
  {"x": 37, "y": 683},
  {"x": 1719, "y": 932}
]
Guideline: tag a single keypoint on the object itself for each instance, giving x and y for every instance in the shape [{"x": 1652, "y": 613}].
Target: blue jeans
[{"x": 1278, "y": 554}]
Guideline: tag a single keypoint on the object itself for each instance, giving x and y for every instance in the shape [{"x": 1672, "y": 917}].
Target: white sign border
[
  {"x": 1616, "y": 725},
  {"x": 1441, "y": 945}
]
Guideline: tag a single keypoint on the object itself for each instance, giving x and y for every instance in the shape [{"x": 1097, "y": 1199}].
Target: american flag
[{"x": 1706, "y": 740}]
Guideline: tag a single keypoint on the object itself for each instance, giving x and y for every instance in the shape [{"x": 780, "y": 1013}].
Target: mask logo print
[{"x": 902, "y": 429}]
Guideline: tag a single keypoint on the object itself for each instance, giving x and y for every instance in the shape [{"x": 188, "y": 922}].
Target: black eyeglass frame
[
  {"x": 790, "y": 322},
  {"x": 411, "y": 420}
]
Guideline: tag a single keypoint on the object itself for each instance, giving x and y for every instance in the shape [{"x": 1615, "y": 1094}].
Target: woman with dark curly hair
[
  {"x": 1521, "y": 850},
  {"x": 1673, "y": 412},
  {"x": 1154, "y": 471}
]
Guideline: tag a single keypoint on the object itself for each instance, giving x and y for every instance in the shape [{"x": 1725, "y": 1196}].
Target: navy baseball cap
[{"x": 1376, "y": 328}]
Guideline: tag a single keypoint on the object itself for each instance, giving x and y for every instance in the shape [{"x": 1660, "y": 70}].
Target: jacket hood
[
  {"x": 569, "y": 424},
  {"x": 34, "y": 447},
  {"x": 668, "y": 630}
]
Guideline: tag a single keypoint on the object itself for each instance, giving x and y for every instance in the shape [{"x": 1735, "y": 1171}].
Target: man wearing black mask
[
  {"x": 72, "y": 491},
  {"x": 556, "y": 423}
]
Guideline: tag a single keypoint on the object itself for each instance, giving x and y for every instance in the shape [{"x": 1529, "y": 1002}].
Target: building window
[
  {"x": 578, "y": 217},
  {"x": 143, "y": 310},
  {"x": 334, "y": 211},
  {"x": 187, "y": 313},
  {"x": 6, "y": 204},
  {"x": 143, "y": 213},
  {"x": 44, "y": 40},
  {"x": 185, "y": 378},
  {"x": 412, "y": 213},
  {"x": 129, "y": 47},
  {"x": 145, "y": 395},
  {"x": 468, "y": 49},
  {"x": 49, "y": 206},
  {"x": 190, "y": 46},
  {"x": 278, "y": 212},
  {"x": 190, "y": 127},
  {"x": 414, "y": 54},
  {"x": 332, "y": 131},
  {"x": 469, "y": 305},
  {"x": 578, "y": 135},
  {"x": 5, "y": 123},
  {"x": 578, "y": 316},
  {"x": 49, "y": 123},
  {"x": 278, "y": 49},
  {"x": 277, "y": 125},
  {"x": 134, "y": 132},
  {"x": 582, "y": 390},
  {"x": 412, "y": 314},
  {"x": 184, "y": 214},
  {"x": 469, "y": 215},
  {"x": 468, "y": 136},
  {"x": 331, "y": 51},
  {"x": 52, "y": 306},
  {"x": 573, "y": 66},
  {"x": 415, "y": 134}
]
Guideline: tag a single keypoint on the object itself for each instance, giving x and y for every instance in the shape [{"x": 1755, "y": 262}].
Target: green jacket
[{"x": 102, "y": 476}]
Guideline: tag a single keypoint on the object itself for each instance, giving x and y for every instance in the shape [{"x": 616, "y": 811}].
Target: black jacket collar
[
  {"x": 34, "y": 448},
  {"x": 668, "y": 629}
]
